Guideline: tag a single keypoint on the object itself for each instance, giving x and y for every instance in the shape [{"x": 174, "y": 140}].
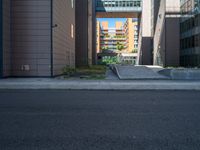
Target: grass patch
[
  {"x": 91, "y": 70},
  {"x": 96, "y": 72}
]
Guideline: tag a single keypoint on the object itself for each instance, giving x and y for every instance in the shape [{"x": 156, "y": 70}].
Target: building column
[
  {"x": 94, "y": 33},
  {"x": 90, "y": 31},
  {"x": 1, "y": 38}
]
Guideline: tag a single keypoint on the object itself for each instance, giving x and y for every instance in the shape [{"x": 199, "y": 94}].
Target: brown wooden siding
[
  {"x": 31, "y": 38},
  {"x": 63, "y": 43},
  {"x": 6, "y": 38}
]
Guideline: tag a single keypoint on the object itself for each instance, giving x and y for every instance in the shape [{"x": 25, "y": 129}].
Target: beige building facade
[
  {"x": 131, "y": 33},
  {"x": 98, "y": 34},
  {"x": 125, "y": 34}
]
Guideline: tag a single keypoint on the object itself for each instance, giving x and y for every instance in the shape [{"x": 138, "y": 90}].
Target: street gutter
[{"x": 55, "y": 84}]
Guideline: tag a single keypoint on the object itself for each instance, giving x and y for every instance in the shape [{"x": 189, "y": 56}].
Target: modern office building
[
  {"x": 166, "y": 41},
  {"x": 190, "y": 33},
  {"x": 38, "y": 37},
  {"x": 159, "y": 39}
]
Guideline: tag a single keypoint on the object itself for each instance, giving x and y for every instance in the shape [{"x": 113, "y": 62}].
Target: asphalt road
[{"x": 99, "y": 120}]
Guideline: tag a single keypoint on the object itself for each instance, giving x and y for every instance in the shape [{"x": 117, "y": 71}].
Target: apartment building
[
  {"x": 190, "y": 33},
  {"x": 131, "y": 33},
  {"x": 135, "y": 34},
  {"x": 110, "y": 37},
  {"x": 98, "y": 36},
  {"x": 122, "y": 38},
  {"x": 38, "y": 37}
]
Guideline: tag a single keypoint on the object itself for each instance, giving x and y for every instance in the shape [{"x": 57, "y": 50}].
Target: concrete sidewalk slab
[
  {"x": 98, "y": 85},
  {"x": 130, "y": 72}
]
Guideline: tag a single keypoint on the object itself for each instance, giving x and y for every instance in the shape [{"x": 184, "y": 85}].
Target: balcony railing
[{"x": 118, "y": 5}]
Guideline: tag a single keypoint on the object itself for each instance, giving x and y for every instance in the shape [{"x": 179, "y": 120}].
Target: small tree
[
  {"x": 135, "y": 50},
  {"x": 120, "y": 46}
]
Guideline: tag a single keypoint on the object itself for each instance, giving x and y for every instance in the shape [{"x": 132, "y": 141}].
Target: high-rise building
[{"x": 190, "y": 33}]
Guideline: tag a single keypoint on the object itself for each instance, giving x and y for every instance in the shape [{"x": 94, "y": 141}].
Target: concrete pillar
[
  {"x": 81, "y": 32},
  {"x": 90, "y": 31},
  {"x": 145, "y": 39},
  {"x": 1, "y": 39}
]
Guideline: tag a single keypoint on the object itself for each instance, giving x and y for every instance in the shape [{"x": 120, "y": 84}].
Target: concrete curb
[
  {"x": 102, "y": 85},
  {"x": 116, "y": 71}
]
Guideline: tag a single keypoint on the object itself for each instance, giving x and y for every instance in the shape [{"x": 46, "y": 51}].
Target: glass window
[
  {"x": 72, "y": 3},
  {"x": 72, "y": 31}
]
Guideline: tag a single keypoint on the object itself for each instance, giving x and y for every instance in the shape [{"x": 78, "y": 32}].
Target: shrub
[{"x": 69, "y": 71}]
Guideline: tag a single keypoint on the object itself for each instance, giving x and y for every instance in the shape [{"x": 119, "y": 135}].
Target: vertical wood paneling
[
  {"x": 31, "y": 38},
  {"x": 63, "y": 43},
  {"x": 6, "y": 39}
]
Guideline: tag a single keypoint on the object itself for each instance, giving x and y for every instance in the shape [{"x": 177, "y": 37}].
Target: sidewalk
[
  {"x": 46, "y": 83},
  {"x": 131, "y": 72}
]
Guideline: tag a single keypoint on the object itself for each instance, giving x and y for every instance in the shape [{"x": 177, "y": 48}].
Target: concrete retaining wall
[{"x": 182, "y": 74}]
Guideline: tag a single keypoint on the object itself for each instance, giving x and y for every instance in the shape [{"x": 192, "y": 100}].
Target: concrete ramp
[{"x": 130, "y": 72}]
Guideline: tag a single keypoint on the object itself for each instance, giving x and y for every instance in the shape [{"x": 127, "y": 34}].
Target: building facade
[
  {"x": 98, "y": 36},
  {"x": 145, "y": 34},
  {"x": 159, "y": 39},
  {"x": 190, "y": 33},
  {"x": 37, "y": 37},
  {"x": 131, "y": 33},
  {"x": 85, "y": 32},
  {"x": 122, "y": 38},
  {"x": 166, "y": 41},
  {"x": 111, "y": 37}
]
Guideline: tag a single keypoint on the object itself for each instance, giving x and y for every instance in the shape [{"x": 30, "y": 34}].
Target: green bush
[{"x": 69, "y": 71}]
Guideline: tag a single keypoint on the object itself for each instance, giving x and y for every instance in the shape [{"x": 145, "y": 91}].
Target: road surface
[{"x": 99, "y": 120}]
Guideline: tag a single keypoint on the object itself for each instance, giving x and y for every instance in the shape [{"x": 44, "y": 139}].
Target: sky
[{"x": 111, "y": 21}]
